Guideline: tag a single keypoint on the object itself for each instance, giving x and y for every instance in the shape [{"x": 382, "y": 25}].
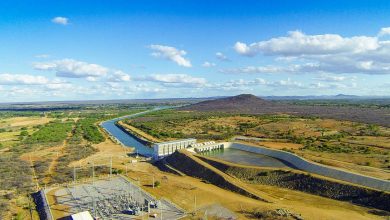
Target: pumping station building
[{"x": 163, "y": 149}]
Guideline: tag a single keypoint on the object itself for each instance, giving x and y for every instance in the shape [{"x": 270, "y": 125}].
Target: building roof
[{"x": 82, "y": 216}]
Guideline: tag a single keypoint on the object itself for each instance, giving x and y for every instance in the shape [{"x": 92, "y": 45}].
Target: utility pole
[
  {"x": 160, "y": 210},
  {"x": 110, "y": 167},
  {"x": 194, "y": 204},
  {"x": 74, "y": 174},
  {"x": 94, "y": 206},
  {"x": 153, "y": 182},
  {"x": 93, "y": 173}
]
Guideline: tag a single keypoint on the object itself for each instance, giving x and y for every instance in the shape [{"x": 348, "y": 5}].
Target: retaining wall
[{"x": 312, "y": 167}]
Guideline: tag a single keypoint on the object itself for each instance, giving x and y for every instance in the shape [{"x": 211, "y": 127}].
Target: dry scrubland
[
  {"x": 355, "y": 146},
  {"x": 39, "y": 149}
]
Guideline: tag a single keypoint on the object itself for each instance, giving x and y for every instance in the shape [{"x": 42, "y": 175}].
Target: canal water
[
  {"x": 126, "y": 139},
  {"x": 246, "y": 158}
]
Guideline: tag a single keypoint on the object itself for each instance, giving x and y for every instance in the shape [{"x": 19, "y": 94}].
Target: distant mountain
[{"x": 240, "y": 103}]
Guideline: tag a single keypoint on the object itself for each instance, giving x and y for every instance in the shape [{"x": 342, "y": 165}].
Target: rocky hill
[{"x": 244, "y": 103}]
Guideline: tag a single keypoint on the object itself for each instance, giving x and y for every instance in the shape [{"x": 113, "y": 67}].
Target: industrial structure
[
  {"x": 164, "y": 149},
  {"x": 161, "y": 150}
]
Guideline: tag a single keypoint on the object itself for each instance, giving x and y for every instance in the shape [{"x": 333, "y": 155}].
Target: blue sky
[{"x": 77, "y": 50}]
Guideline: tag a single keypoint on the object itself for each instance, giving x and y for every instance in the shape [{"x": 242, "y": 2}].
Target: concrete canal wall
[{"x": 312, "y": 167}]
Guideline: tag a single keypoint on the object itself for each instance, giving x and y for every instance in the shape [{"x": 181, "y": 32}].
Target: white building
[
  {"x": 166, "y": 148},
  {"x": 82, "y": 216}
]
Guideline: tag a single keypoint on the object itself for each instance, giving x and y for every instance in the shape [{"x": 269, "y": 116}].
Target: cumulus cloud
[
  {"x": 170, "y": 53},
  {"x": 384, "y": 31},
  {"x": 73, "y": 69},
  {"x": 208, "y": 64},
  {"x": 327, "y": 53},
  {"x": 333, "y": 78},
  {"x": 60, "y": 20},
  {"x": 175, "y": 79},
  {"x": 288, "y": 84},
  {"x": 221, "y": 56},
  {"x": 119, "y": 76},
  {"x": 259, "y": 69},
  {"x": 298, "y": 44},
  {"x": 22, "y": 79}
]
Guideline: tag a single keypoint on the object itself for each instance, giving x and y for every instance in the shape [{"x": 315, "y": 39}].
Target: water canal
[{"x": 125, "y": 138}]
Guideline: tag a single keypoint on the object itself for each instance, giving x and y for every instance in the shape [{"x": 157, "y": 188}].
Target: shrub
[{"x": 157, "y": 183}]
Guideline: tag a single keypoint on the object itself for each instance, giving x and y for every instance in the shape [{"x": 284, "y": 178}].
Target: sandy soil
[
  {"x": 106, "y": 150},
  {"x": 280, "y": 145},
  {"x": 24, "y": 121}
]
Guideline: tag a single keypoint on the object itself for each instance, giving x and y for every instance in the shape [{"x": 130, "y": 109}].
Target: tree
[{"x": 157, "y": 183}]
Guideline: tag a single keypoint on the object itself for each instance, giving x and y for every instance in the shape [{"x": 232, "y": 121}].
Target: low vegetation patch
[{"x": 51, "y": 133}]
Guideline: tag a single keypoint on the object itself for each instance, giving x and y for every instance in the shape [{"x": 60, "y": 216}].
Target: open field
[{"x": 359, "y": 147}]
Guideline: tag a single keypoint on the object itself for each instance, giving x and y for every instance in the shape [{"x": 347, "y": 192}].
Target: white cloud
[
  {"x": 175, "y": 79},
  {"x": 244, "y": 49},
  {"x": 59, "y": 86},
  {"x": 171, "y": 53},
  {"x": 333, "y": 78},
  {"x": 208, "y": 64},
  {"x": 119, "y": 76},
  {"x": 60, "y": 20},
  {"x": 384, "y": 31},
  {"x": 242, "y": 82},
  {"x": 254, "y": 70},
  {"x": 73, "y": 69},
  {"x": 22, "y": 79},
  {"x": 288, "y": 84},
  {"x": 221, "y": 56},
  {"x": 42, "y": 56},
  {"x": 299, "y": 44},
  {"x": 327, "y": 53}
]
